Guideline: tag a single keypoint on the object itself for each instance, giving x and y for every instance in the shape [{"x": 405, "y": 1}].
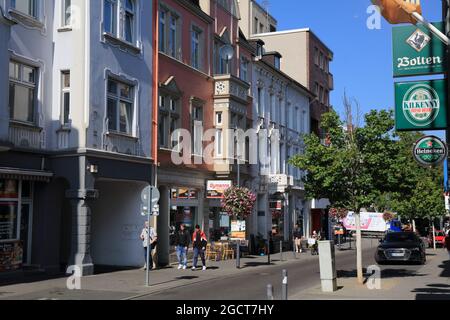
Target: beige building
[{"x": 255, "y": 19}]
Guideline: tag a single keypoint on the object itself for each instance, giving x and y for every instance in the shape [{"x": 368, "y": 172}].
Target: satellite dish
[{"x": 227, "y": 52}]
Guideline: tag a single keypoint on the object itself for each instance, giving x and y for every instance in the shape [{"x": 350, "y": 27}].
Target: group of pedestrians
[{"x": 182, "y": 241}]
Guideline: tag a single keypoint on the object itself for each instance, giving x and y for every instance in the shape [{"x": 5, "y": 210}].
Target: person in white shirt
[{"x": 148, "y": 237}]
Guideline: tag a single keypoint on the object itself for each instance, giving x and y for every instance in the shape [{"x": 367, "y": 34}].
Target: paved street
[{"x": 223, "y": 281}]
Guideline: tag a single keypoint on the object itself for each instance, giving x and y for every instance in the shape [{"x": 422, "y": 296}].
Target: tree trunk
[{"x": 359, "y": 267}]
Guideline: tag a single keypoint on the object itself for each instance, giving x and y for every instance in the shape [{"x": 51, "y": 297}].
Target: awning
[{"x": 23, "y": 174}]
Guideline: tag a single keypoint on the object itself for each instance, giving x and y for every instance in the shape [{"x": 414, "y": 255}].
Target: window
[
  {"x": 244, "y": 69},
  {"x": 321, "y": 60},
  {"x": 129, "y": 25},
  {"x": 65, "y": 97},
  {"x": 327, "y": 98},
  {"x": 219, "y": 118},
  {"x": 109, "y": 16},
  {"x": 162, "y": 31},
  {"x": 277, "y": 63},
  {"x": 219, "y": 142},
  {"x": 258, "y": 103},
  {"x": 255, "y": 26},
  {"x": 169, "y": 120},
  {"x": 67, "y": 13},
  {"x": 261, "y": 28},
  {"x": 316, "y": 89},
  {"x": 22, "y": 86},
  {"x": 28, "y": 7},
  {"x": 321, "y": 95},
  {"x": 316, "y": 56},
  {"x": 259, "y": 50},
  {"x": 195, "y": 48},
  {"x": 120, "y": 107},
  {"x": 197, "y": 130},
  {"x": 123, "y": 28},
  {"x": 169, "y": 32}
]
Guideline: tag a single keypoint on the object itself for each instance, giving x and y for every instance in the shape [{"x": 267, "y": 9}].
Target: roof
[{"x": 278, "y": 33}]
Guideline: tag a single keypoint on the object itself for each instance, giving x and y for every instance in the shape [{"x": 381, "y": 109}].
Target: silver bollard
[
  {"x": 284, "y": 290},
  {"x": 238, "y": 255},
  {"x": 270, "y": 292}
]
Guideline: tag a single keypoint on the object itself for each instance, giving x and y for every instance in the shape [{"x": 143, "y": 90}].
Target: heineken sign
[
  {"x": 417, "y": 51},
  {"x": 421, "y": 105},
  {"x": 430, "y": 151}
]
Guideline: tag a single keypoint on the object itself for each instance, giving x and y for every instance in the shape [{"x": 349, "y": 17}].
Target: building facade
[
  {"x": 281, "y": 110},
  {"x": 75, "y": 119}
]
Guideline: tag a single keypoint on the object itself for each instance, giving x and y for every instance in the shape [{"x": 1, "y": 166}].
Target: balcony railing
[{"x": 228, "y": 85}]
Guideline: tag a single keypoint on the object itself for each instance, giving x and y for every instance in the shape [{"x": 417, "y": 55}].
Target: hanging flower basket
[
  {"x": 338, "y": 213},
  {"x": 238, "y": 202},
  {"x": 388, "y": 216}
]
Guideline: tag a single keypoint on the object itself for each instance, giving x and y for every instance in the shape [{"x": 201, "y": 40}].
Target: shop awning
[{"x": 28, "y": 175}]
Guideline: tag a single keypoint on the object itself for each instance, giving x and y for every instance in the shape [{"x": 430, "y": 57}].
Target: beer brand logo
[
  {"x": 418, "y": 40},
  {"x": 430, "y": 151},
  {"x": 421, "y": 105}
]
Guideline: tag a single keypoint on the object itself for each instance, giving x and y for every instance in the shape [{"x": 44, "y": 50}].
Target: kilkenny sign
[
  {"x": 417, "y": 51},
  {"x": 430, "y": 151},
  {"x": 421, "y": 105}
]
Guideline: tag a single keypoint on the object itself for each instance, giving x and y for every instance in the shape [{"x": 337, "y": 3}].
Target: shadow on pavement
[
  {"x": 432, "y": 293},
  {"x": 386, "y": 273},
  {"x": 256, "y": 264},
  {"x": 446, "y": 266},
  {"x": 26, "y": 277}
]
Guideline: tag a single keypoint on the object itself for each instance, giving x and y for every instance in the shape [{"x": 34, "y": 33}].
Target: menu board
[{"x": 11, "y": 256}]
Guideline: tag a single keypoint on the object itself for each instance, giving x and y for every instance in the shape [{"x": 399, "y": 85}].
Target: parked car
[
  {"x": 401, "y": 247},
  {"x": 440, "y": 239}
]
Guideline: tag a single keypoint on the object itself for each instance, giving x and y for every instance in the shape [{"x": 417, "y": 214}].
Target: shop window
[{"x": 184, "y": 193}]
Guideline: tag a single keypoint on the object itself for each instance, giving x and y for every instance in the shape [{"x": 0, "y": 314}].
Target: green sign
[
  {"x": 421, "y": 105},
  {"x": 430, "y": 151},
  {"x": 417, "y": 51}
]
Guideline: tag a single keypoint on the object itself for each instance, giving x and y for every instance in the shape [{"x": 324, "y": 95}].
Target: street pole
[
  {"x": 268, "y": 248},
  {"x": 149, "y": 251},
  {"x": 359, "y": 267},
  {"x": 446, "y": 19}
]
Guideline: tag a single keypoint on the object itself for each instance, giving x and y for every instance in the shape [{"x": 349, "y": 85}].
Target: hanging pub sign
[
  {"x": 421, "y": 105},
  {"x": 430, "y": 151},
  {"x": 417, "y": 51}
]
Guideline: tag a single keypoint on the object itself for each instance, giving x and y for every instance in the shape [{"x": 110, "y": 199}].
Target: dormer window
[{"x": 277, "y": 62}]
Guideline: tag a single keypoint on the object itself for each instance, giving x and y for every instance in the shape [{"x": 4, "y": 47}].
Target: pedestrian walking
[
  {"x": 199, "y": 243},
  {"x": 149, "y": 238},
  {"x": 182, "y": 241},
  {"x": 297, "y": 239}
]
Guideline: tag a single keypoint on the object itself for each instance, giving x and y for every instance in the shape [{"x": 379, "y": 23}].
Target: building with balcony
[
  {"x": 75, "y": 132},
  {"x": 281, "y": 110}
]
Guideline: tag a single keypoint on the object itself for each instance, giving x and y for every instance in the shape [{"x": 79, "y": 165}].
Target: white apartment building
[
  {"x": 281, "y": 108},
  {"x": 75, "y": 131}
]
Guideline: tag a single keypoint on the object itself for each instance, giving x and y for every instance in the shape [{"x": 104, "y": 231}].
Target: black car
[{"x": 401, "y": 247}]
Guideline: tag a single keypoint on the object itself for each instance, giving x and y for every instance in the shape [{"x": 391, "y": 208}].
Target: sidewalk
[
  {"x": 131, "y": 283},
  {"x": 400, "y": 282}
]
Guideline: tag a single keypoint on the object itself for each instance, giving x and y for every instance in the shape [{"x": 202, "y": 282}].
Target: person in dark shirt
[
  {"x": 182, "y": 240},
  {"x": 199, "y": 242}
]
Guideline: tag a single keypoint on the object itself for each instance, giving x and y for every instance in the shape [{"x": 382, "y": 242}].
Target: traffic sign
[{"x": 150, "y": 197}]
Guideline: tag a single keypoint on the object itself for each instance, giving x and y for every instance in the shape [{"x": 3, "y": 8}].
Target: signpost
[
  {"x": 430, "y": 151},
  {"x": 150, "y": 197},
  {"x": 417, "y": 51},
  {"x": 421, "y": 105}
]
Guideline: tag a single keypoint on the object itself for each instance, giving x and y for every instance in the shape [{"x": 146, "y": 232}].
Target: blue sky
[{"x": 362, "y": 58}]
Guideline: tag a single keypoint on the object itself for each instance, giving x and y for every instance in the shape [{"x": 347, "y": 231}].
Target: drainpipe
[{"x": 154, "y": 146}]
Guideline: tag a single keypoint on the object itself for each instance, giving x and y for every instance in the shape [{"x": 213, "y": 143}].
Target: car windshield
[{"x": 400, "y": 237}]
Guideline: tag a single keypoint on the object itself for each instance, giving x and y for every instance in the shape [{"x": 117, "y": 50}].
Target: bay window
[{"x": 22, "y": 87}]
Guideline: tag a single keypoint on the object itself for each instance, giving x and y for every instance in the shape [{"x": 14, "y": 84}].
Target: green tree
[{"x": 354, "y": 168}]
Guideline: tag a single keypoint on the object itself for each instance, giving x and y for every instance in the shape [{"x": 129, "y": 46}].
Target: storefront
[
  {"x": 184, "y": 203},
  {"x": 16, "y": 203},
  {"x": 277, "y": 210},
  {"x": 219, "y": 226}
]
